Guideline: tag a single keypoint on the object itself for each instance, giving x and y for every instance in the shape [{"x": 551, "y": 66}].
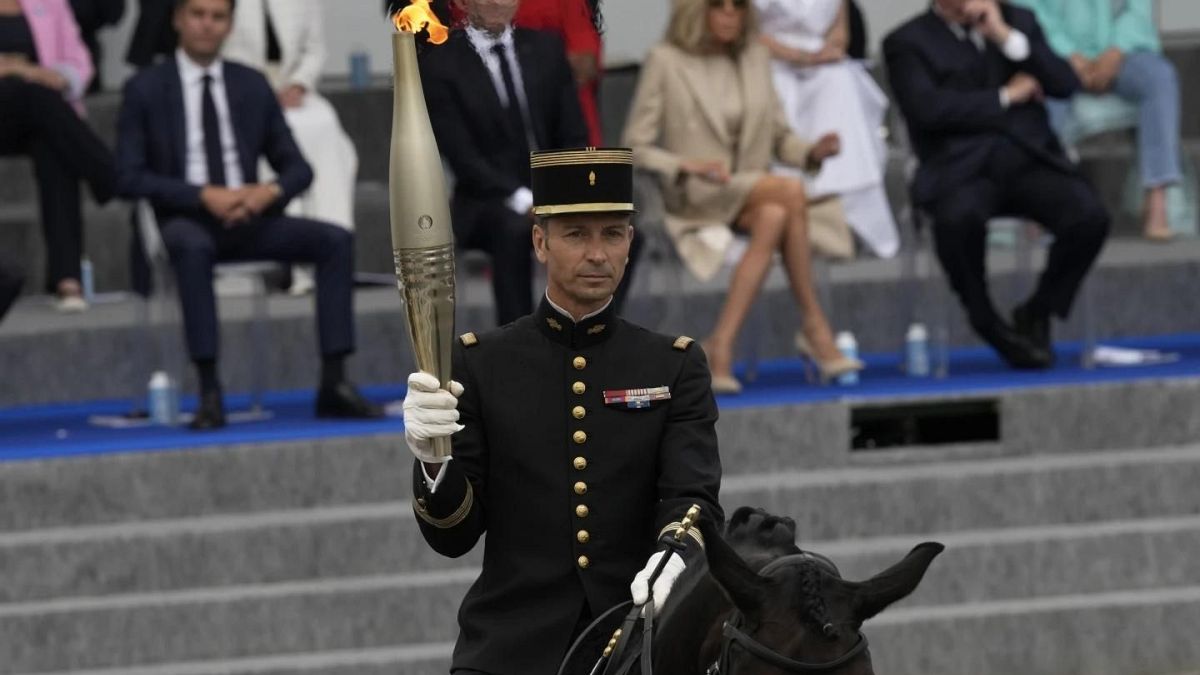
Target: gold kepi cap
[{"x": 582, "y": 180}]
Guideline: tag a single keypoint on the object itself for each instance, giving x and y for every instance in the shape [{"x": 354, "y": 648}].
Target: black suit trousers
[
  {"x": 197, "y": 243},
  {"x": 1017, "y": 184},
  {"x": 38, "y": 122},
  {"x": 507, "y": 236}
]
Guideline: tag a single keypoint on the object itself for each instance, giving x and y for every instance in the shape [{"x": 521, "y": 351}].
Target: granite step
[
  {"x": 1144, "y": 632},
  {"x": 1120, "y": 632},
  {"x": 423, "y": 659},
  {"x": 970, "y": 495},
  {"x": 868, "y": 501},
  {"x": 381, "y": 539},
  {"x": 231, "y": 622}
]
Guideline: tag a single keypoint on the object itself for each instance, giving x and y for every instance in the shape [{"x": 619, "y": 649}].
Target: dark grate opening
[{"x": 936, "y": 423}]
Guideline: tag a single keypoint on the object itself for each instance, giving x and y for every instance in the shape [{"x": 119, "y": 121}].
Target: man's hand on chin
[{"x": 985, "y": 15}]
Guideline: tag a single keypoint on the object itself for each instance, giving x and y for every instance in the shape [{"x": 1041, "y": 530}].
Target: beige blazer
[{"x": 674, "y": 117}]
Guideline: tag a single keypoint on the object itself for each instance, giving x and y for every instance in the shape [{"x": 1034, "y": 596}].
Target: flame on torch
[{"x": 419, "y": 16}]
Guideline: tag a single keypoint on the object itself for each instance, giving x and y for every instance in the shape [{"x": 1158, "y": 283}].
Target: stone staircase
[{"x": 304, "y": 558}]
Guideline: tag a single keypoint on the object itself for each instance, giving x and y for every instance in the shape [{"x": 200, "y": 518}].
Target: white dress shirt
[
  {"x": 483, "y": 42},
  {"x": 191, "y": 75},
  {"x": 1015, "y": 47}
]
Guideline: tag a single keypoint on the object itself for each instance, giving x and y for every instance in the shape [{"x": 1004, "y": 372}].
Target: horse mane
[{"x": 761, "y": 537}]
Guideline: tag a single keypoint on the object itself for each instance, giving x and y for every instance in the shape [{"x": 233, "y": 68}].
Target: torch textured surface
[{"x": 422, "y": 236}]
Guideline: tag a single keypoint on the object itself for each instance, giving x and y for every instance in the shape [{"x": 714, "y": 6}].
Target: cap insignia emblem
[{"x": 592, "y": 179}]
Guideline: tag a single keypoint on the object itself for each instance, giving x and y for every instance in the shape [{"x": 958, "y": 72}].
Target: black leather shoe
[
  {"x": 1017, "y": 350},
  {"x": 343, "y": 401},
  {"x": 1033, "y": 326},
  {"x": 211, "y": 413}
]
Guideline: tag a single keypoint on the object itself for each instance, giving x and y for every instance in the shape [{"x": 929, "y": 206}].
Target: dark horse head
[{"x": 791, "y": 609}]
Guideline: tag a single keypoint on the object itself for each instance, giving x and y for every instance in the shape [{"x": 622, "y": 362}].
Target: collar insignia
[
  {"x": 597, "y": 329},
  {"x": 553, "y": 323}
]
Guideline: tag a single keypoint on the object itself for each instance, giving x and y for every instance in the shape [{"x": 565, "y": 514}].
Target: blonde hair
[{"x": 688, "y": 27}]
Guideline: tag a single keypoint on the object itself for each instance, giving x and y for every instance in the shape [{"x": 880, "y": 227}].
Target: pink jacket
[{"x": 59, "y": 47}]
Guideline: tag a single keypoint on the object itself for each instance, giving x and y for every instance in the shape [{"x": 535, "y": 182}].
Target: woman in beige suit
[{"x": 706, "y": 119}]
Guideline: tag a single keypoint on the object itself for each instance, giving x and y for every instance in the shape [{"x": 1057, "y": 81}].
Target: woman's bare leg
[
  {"x": 797, "y": 259},
  {"x": 766, "y": 222}
]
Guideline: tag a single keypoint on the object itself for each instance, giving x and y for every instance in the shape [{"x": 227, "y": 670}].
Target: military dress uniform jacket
[{"x": 572, "y": 492}]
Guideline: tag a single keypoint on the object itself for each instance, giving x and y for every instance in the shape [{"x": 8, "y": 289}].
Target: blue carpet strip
[{"x": 64, "y": 430}]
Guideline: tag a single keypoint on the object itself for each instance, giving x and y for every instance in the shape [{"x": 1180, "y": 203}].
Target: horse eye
[{"x": 829, "y": 630}]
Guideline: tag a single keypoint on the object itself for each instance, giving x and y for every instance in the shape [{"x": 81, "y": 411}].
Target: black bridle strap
[{"x": 735, "y": 636}]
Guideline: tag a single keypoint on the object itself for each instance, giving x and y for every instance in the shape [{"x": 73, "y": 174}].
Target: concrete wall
[{"x": 633, "y": 26}]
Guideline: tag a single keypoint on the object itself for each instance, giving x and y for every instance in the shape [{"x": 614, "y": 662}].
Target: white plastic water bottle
[
  {"x": 848, "y": 346},
  {"x": 162, "y": 399},
  {"x": 88, "y": 280},
  {"x": 916, "y": 350}
]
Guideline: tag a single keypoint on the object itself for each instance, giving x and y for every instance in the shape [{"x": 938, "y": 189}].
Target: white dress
[
  {"x": 315, "y": 124},
  {"x": 839, "y": 97}
]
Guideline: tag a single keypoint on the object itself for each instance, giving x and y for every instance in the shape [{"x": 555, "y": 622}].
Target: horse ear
[
  {"x": 743, "y": 586},
  {"x": 894, "y": 583}
]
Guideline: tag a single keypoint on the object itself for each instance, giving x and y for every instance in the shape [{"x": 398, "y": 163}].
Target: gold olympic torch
[{"x": 422, "y": 238}]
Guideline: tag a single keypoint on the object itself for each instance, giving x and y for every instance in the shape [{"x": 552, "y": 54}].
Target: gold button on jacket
[
  {"x": 583, "y": 536},
  {"x": 584, "y": 563},
  {"x": 579, "y": 437},
  {"x": 578, "y": 412},
  {"x": 581, "y": 511},
  {"x": 579, "y": 388},
  {"x": 579, "y": 362},
  {"x": 580, "y": 463},
  {"x": 581, "y": 488}
]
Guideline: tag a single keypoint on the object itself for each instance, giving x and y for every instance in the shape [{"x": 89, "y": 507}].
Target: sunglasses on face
[{"x": 737, "y": 4}]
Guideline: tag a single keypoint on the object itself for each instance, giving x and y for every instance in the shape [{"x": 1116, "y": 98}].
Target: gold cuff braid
[
  {"x": 451, "y": 520},
  {"x": 694, "y": 533}
]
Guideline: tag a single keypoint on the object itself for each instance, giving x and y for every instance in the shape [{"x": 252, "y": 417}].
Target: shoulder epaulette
[
  {"x": 468, "y": 339},
  {"x": 683, "y": 342}
]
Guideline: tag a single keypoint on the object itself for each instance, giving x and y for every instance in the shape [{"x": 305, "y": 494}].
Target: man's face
[
  {"x": 203, "y": 26},
  {"x": 490, "y": 15},
  {"x": 585, "y": 254},
  {"x": 959, "y": 11}
]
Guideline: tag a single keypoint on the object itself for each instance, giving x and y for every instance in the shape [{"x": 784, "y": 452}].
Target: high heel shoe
[
  {"x": 726, "y": 384},
  {"x": 721, "y": 384},
  {"x": 826, "y": 370}
]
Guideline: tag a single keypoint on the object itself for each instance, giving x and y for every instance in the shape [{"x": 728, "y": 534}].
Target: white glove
[
  {"x": 429, "y": 412},
  {"x": 662, "y": 586}
]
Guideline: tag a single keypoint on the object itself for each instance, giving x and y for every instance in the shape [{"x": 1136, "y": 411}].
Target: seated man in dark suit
[
  {"x": 494, "y": 94},
  {"x": 190, "y": 135},
  {"x": 970, "y": 76}
]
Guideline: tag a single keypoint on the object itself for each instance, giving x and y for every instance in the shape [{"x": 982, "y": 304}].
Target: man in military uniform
[{"x": 578, "y": 438}]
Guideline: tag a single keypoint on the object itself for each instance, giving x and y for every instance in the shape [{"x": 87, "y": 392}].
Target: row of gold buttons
[{"x": 580, "y": 463}]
